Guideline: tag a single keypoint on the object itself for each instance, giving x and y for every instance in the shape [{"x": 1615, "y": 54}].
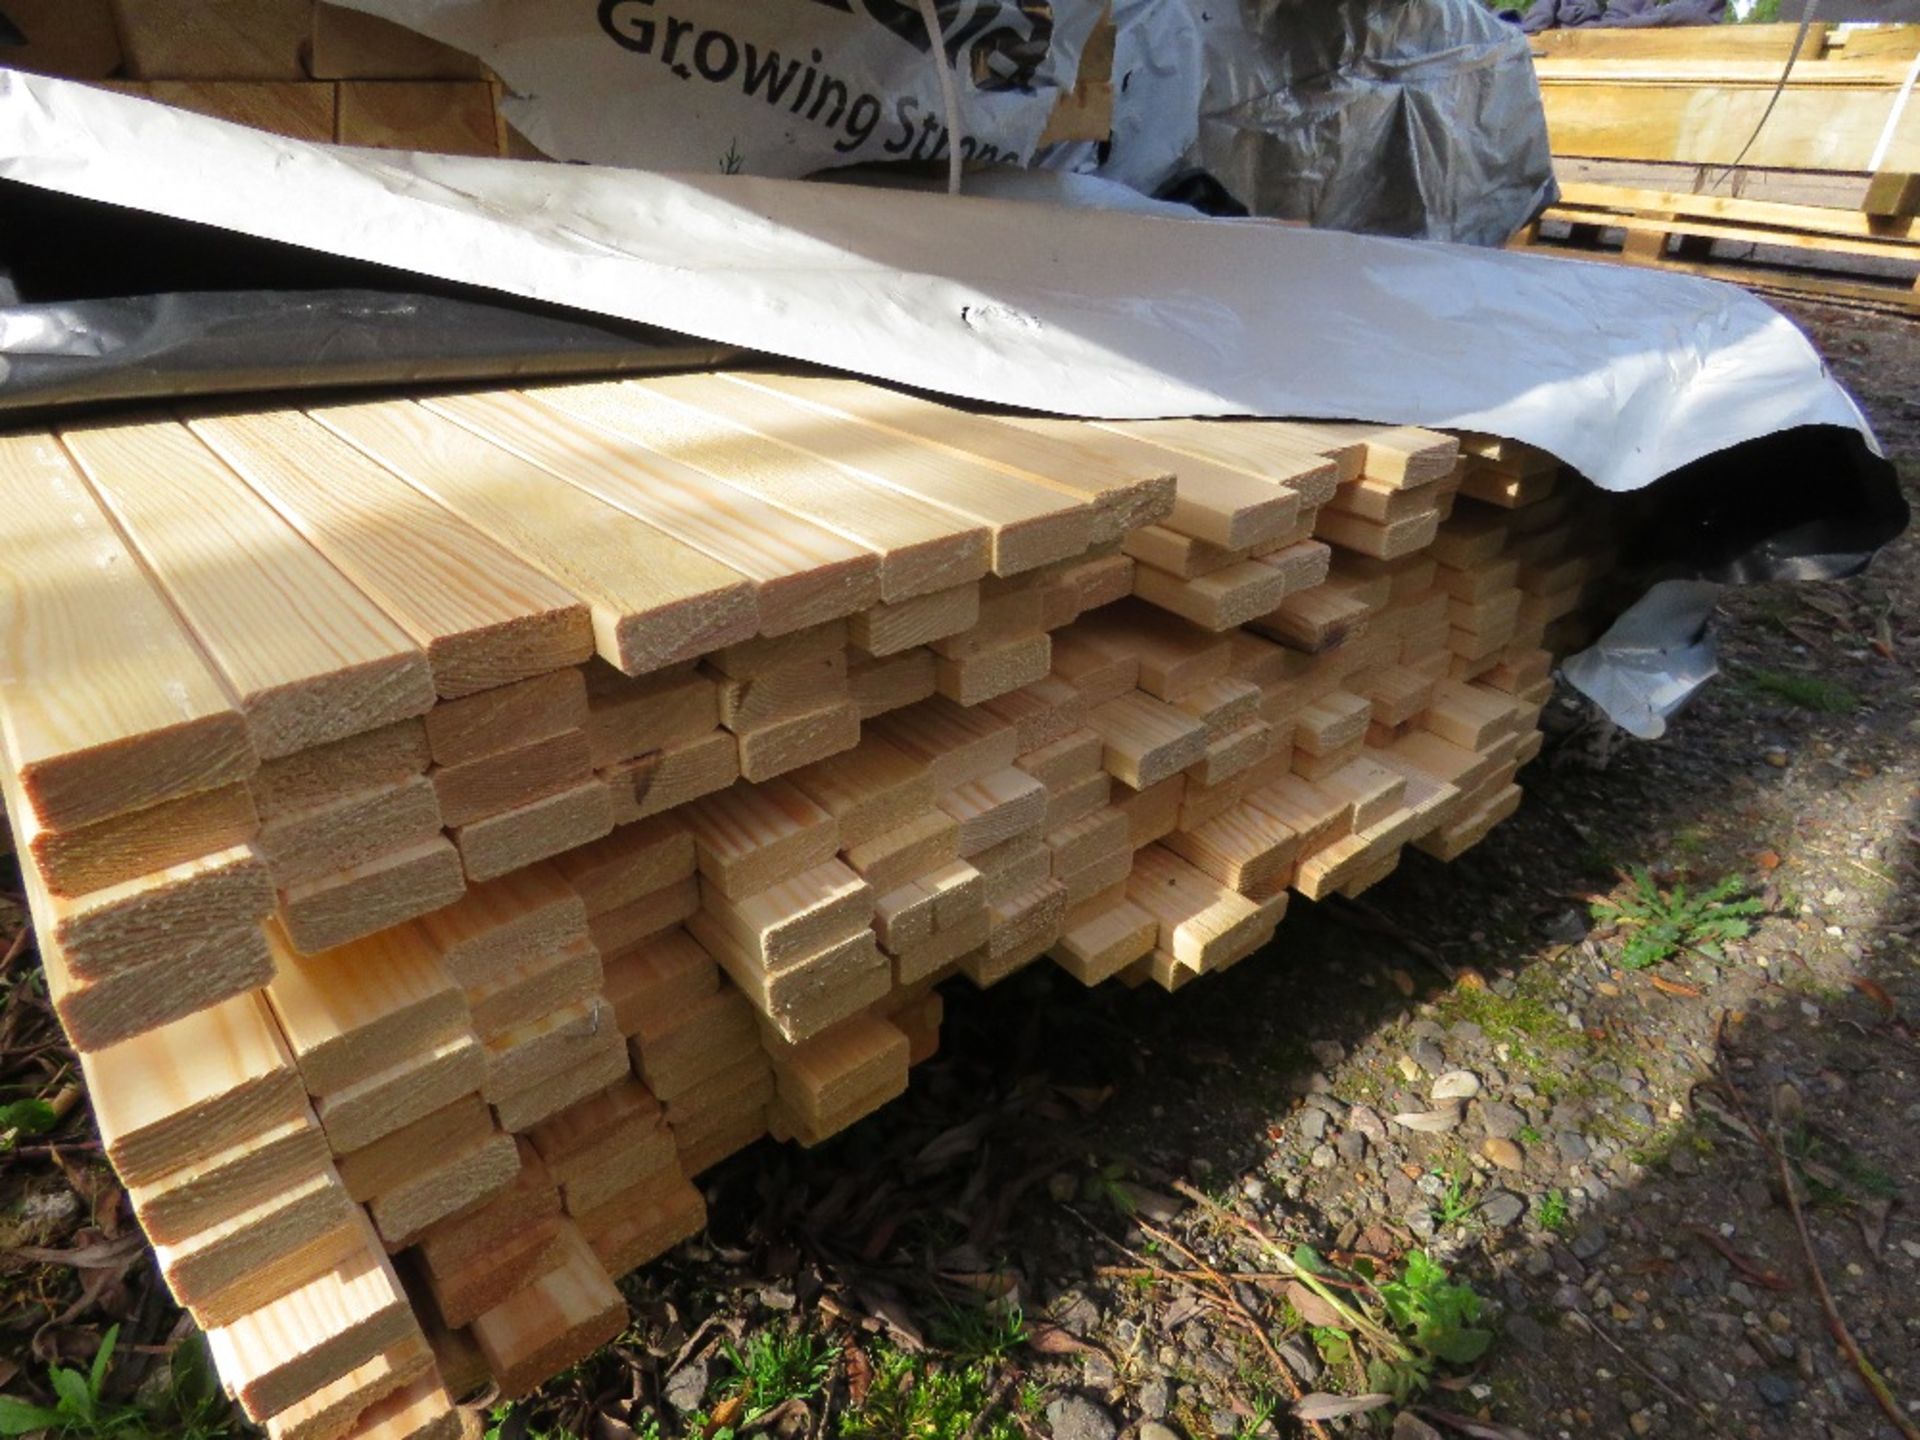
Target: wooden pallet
[{"x": 1641, "y": 123}]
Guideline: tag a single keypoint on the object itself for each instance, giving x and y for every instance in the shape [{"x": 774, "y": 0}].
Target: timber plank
[
  {"x": 484, "y": 617},
  {"x": 107, "y": 704},
  {"x": 347, "y": 1012},
  {"x": 1125, "y": 493},
  {"x": 804, "y": 575},
  {"x": 182, "y": 1092},
  {"x": 654, "y": 600},
  {"x": 310, "y": 657},
  {"x": 1224, "y": 504},
  {"x": 1030, "y": 524},
  {"x": 276, "y": 1356},
  {"x": 723, "y": 429}
]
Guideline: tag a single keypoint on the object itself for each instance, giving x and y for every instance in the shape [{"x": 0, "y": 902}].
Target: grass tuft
[{"x": 1808, "y": 692}]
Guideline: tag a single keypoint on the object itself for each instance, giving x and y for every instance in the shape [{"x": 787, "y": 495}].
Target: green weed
[
  {"x": 24, "y": 1117},
  {"x": 1661, "y": 924},
  {"x": 979, "y": 1332},
  {"x": 189, "y": 1408},
  {"x": 1456, "y": 1205},
  {"x": 912, "y": 1398},
  {"x": 775, "y": 1367},
  {"x": 1552, "y": 1212},
  {"x": 1416, "y": 1322},
  {"x": 1808, "y": 692}
]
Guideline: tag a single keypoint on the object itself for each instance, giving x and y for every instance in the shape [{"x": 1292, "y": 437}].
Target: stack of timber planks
[
  {"x": 314, "y": 71},
  {"x": 454, "y": 824},
  {"x": 1647, "y": 125}
]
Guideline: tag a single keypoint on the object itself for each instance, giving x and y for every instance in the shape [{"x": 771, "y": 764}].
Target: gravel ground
[{"x": 1088, "y": 1205}]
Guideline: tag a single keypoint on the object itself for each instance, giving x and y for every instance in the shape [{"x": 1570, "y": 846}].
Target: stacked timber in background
[
  {"x": 1647, "y": 125},
  {"x": 453, "y": 825},
  {"x": 314, "y": 71}
]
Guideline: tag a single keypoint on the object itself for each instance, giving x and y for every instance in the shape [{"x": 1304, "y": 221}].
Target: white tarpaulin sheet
[
  {"x": 1624, "y": 374},
  {"x": 754, "y": 88}
]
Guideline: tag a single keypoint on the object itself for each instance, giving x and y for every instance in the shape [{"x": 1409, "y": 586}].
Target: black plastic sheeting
[
  {"x": 1812, "y": 503},
  {"x": 100, "y": 305}
]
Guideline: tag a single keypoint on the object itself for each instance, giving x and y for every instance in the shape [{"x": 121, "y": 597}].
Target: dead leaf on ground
[
  {"x": 951, "y": 1144},
  {"x": 894, "y": 1317},
  {"x": 1088, "y": 1097},
  {"x": 858, "y": 1369},
  {"x": 100, "y": 1255},
  {"x": 1873, "y": 1212},
  {"x": 1053, "y": 1340},
  {"x": 1875, "y": 992},
  {"x": 1470, "y": 1427},
  {"x": 724, "y": 1416},
  {"x": 1322, "y": 1406},
  {"x": 1753, "y": 1270},
  {"x": 1675, "y": 987},
  {"x": 1441, "y": 1118},
  {"x": 1150, "y": 1203},
  {"x": 1313, "y": 1309}
]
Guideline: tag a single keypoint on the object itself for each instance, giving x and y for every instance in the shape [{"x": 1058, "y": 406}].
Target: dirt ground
[{"x": 1082, "y": 1220}]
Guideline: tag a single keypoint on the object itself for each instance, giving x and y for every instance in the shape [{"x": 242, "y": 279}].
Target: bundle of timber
[
  {"x": 1647, "y": 127},
  {"x": 454, "y": 824},
  {"x": 315, "y": 71}
]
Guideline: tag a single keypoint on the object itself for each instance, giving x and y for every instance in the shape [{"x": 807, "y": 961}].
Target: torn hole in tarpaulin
[{"x": 1627, "y": 375}]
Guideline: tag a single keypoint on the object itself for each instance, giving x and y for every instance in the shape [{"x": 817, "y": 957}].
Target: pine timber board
[
  {"x": 297, "y": 109},
  {"x": 101, "y": 1013},
  {"x": 504, "y": 719},
  {"x": 1274, "y": 450},
  {"x": 260, "y": 1254},
  {"x": 346, "y": 1013},
  {"x": 338, "y": 1408},
  {"x": 1733, "y": 42},
  {"x": 352, "y": 45},
  {"x": 1811, "y": 219},
  {"x": 390, "y": 755},
  {"x": 139, "y": 842},
  {"x": 1900, "y": 298},
  {"x": 310, "y": 657},
  {"x": 1806, "y": 70},
  {"x": 319, "y": 840},
  {"x": 1226, "y": 505},
  {"x": 167, "y": 915},
  {"x": 183, "y": 1092},
  {"x": 1030, "y": 524},
  {"x": 107, "y": 705},
  {"x": 804, "y": 574},
  {"x": 446, "y": 117},
  {"x": 654, "y": 599},
  {"x": 258, "y": 1165},
  {"x": 702, "y": 421},
  {"x": 276, "y": 1356},
  {"x": 1828, "y": 126},
  {"x": 1673, "y": 221},
  {"x": 560, "y": 1318},
  {"x": 387, "y": 890},
  {"x": 1123, "y": 497},
  {"x": 484, "y": 617},
  {"x": 213, "y": 39},
  {"x": 74, "y": 38}
]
